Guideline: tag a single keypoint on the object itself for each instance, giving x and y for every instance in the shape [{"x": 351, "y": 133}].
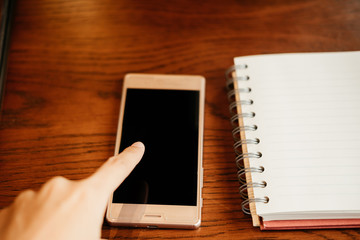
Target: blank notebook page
[{"x": 307, "y": 109}]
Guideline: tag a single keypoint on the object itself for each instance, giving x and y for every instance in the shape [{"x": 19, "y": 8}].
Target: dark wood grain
[{"x": 67, "y": 60}]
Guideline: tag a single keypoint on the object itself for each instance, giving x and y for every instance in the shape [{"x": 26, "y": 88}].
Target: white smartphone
[{"x": 166, "y": 113}]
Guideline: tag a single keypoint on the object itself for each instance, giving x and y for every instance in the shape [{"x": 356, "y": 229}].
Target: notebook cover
[{"x": 310, "y": 224}]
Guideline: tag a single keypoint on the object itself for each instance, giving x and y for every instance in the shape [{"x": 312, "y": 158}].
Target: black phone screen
[{"x": 167, "y": 122}]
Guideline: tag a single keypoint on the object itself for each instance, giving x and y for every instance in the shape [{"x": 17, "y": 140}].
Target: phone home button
[
  {"x": 152, "y": 226},
  {"x": 153, "y": 215}
]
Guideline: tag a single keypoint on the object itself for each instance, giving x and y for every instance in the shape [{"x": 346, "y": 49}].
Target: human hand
[{"x": 65, "y": 209}]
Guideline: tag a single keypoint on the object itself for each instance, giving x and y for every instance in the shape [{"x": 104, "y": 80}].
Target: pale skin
[{"x": 65, "y": 209}]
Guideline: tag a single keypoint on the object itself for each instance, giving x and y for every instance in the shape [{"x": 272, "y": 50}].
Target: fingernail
[{"x": 138, "y": 144}]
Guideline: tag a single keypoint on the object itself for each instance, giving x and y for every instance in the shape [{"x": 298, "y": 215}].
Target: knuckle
[
  {"x": 55, "y": 184},
  {"x": 112, "y": 160},
  {"x": 58, "y": 180},
  {"x": 25, "y": 195}
]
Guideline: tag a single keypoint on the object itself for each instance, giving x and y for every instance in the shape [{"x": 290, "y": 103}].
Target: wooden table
[{"x": 67, "y": 60}]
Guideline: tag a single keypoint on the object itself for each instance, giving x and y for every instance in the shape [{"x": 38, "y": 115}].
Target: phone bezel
[{"x": 167, "y": 216}]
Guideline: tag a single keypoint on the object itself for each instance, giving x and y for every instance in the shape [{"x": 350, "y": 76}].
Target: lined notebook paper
[{"x": 306, "y": 109}]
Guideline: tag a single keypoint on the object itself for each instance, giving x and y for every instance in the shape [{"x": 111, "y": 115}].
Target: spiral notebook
[{"x": 296, "y": 126}]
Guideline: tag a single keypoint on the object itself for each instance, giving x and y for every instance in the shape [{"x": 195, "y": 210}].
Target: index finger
[{"x": 114, "y": 171}]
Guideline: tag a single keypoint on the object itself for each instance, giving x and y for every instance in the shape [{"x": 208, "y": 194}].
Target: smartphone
[{"x": 166, "y": 113}]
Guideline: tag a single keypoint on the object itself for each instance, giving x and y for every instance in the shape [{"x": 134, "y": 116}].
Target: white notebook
[{"x": 297, "y": 132}]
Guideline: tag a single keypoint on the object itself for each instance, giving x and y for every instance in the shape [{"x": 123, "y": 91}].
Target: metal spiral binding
[
  {"x": 240, "y": 156},
  {"x": 231, "y": 93},
  {"x": 236, "y": 131},
  {"x": 242, "y": 172},
  {"x": 230, "y": 79},
  {"x": 246, "y": 203},
  {"x": 233, "y": 106},
  {"x": 240, "y": 142},
  {"x": 236, "y": 117},
  {"x": 243, "y": 188}
]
